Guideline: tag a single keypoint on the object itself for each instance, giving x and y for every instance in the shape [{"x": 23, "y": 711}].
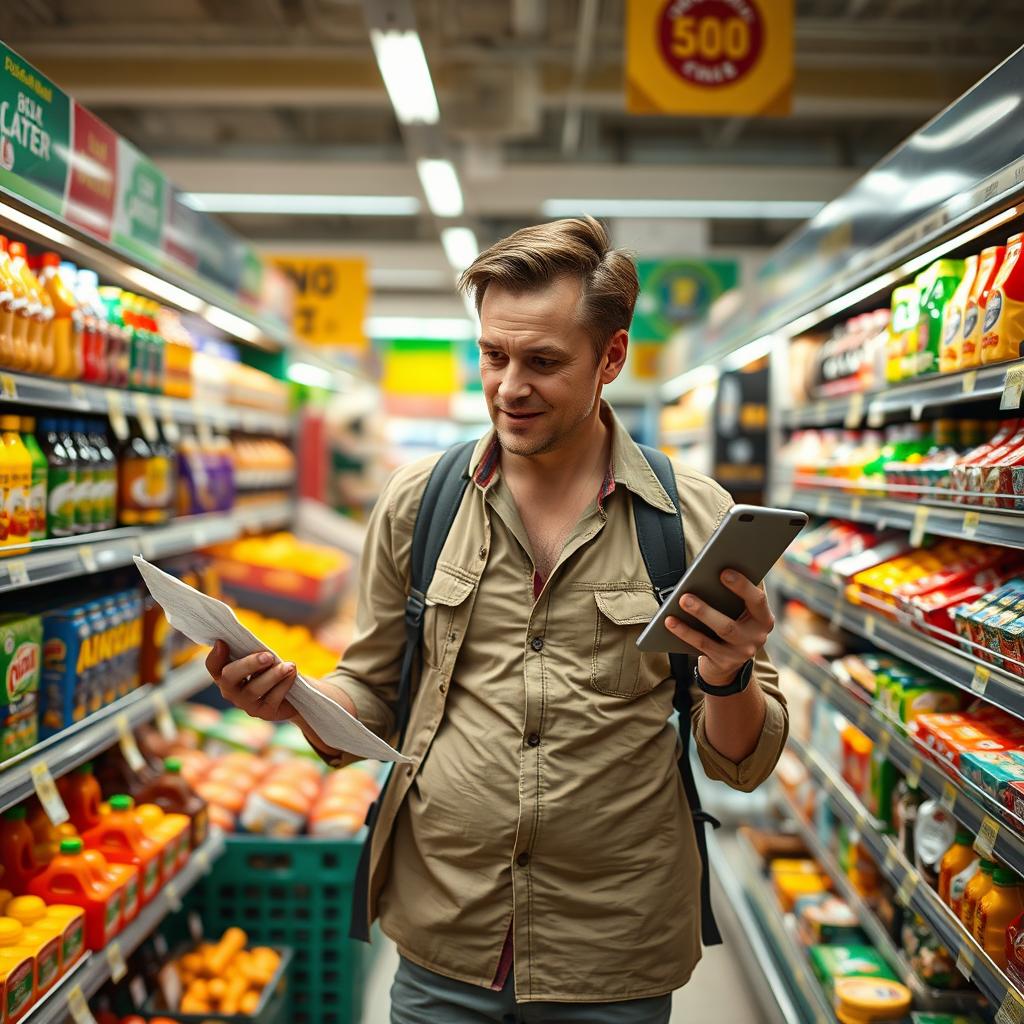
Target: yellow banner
[
  {"x": 332, "y": 297},
  {"x": 709, "y": 58}
]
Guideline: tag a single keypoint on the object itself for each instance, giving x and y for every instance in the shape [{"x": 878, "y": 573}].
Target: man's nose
[{"x": 514, "y": 385}]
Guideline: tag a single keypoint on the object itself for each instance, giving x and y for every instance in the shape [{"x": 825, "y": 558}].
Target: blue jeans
[{"x": 419, "y": 996}]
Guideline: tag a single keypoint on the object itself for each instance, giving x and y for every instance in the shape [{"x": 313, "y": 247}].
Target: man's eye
[{"x": 544, "y": 364}]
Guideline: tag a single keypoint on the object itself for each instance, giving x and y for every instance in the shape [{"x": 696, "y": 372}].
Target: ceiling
[{"x": 284, "y": 96}]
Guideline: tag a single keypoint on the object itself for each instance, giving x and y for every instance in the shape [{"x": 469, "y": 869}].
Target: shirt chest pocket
[
  {"x": 618, "y": 667},
  {"x": 442, "y": 622}
]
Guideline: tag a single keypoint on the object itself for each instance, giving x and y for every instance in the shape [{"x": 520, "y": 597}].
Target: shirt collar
[{"x": 628, "y": 465}]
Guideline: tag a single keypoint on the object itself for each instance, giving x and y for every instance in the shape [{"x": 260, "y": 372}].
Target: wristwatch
[{"x": 738, "y": 685}]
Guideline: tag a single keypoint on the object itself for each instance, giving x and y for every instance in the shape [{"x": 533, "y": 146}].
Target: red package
[
  {"x": 935, "y": 609},
  {"x": 958, "y": 476}
]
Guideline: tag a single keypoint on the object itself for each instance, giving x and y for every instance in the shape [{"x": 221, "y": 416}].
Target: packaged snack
[
  {"x": 860, "y": 1000},
  {"x": 977, "y": 456},
  {"x": 938, "y": 285},
  {"x": 20, "y": 658},
  {"x": 826, "y": 920},
  {"x": 953, "y": 319},
  {"x": 69, "y": 668},
  {"x": 831, "y": 963},
  {"x": 974, "y": 312},
  {"x": 1003, "y": 330},
  {"x": 993, "y": 772},
  {"x": 930, "y": 960},
  {"x": 881, "y": 785}
]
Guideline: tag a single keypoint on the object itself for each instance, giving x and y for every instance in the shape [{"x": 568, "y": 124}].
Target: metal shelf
[
  {"x": 966, "y": 522},
  {"x": 94, "y": 971},
  {"x": 84, "y": 740},
  {"x": 261, "y": 480},
  {"x": 970, "y": 805},
  {"x": 998, "y": 687},
  {"x": 46, "y": 561},
  {"x": 914, "y": 893}
]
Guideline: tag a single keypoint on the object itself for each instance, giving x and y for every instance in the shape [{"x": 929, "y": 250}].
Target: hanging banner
[
  {"x": 332, "y": 297},
  {"x": 141, "y": 203},
  {"x": 674, "y": 293},
  {"x": 92, "y": 186},
  {"x": 709, "y": 58},
  {"x": 35, "y": 123}
]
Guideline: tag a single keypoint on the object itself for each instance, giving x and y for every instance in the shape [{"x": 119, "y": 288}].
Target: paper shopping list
[{"x": 204, "y": 620}]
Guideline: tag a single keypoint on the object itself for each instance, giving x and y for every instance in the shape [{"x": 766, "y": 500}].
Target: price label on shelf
[
  {"x": 79, "y": 396},
  {"x": 972, "y": 520},
  {"x": 164, "y": 721},
  {"x": 822, "y": 506},
  {"x": 985, "y": 842},
  {"x": 1013, "y": 386},
  {"x": 861, "y": 821},
  {"x": 126, "y": 740},
  {"x": 115, "y": 412},
  {"x": 876, "y": 415},
  {"x": 892, "y": 857},
  {"x": 856, "y": 505},
  {"x": 17, "y": 570},
  {"x": 168, "y": 424},
  {"x": 144, "y": 412},
  {"x": 46, "y": 791},
  {"x": 965, "y": 961},
  {"x": 854, "y": 411},
  {"x": 970, "y": 382},
  {"x": 914, "y": 774},
  {"x": 195, "y": 927},
  {"x": 905, "y": 893},
  {"x": 87, "y": 554},
  {"x": 863, "y": 719},
  {"x": 920, "y": 523},
  {"x": 870, "y": 625},
  {"x": 979, "y": 682},
  {"x": 78, "y": 1007},
  {"x": 917, "y": 411},
  {"x": 115, "y": 959},
  {"x": 203, "y": 860},
  {"x": 9, "y": 387},
  {"x": 1011, "y": 1009},
  {"x": 948, "y": 799},
  {"x": 172, "y": 897},
  {"x": 885, "y": 741}
]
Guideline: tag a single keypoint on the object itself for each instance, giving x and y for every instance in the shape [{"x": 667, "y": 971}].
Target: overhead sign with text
[
  {"x": 709, "y": 58},
  {"x": 331, "y": 300}
]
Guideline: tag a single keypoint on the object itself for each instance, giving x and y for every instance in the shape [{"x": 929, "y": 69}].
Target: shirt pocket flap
[
  {"x": 627, "y": 607},
  {"x": 448, "y": 590}
]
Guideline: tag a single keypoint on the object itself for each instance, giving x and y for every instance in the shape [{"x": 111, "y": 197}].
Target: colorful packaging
[
  {"x": 974, "y": 312},
  {"x": 20, "y": 657},
  {"x": 902, "y": 351},
  {"x": 997, "y": 910},
  {"x": 863, "y": 1000},
  {"x": 930, "y": 960},
  {"x": 938, "y": 285},
  {"x": 862, "y": 961},
  {"x": 1003, "y": 330},
  {"x": 994, "y": 772},
  {"x": 881, "y": 786},
  {"x": 68, "y": 668}
]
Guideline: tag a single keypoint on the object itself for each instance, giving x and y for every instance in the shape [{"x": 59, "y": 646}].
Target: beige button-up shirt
[{"x": 545, "y": 794}]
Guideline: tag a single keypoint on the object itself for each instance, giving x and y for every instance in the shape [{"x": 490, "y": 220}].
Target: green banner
[
  {"x": 35, "y": 119},
  {"x": 141, "y": 204},
  {"x": 675, "y": 293}
]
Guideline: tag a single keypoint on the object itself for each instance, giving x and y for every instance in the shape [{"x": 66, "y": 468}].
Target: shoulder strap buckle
[{"x": 415, "y": 606}]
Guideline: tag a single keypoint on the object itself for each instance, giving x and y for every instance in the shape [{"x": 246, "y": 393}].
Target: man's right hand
[{"x": 258, "y": 684}]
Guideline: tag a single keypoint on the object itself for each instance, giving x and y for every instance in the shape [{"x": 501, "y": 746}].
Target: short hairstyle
[{"x": 577, "y": 247}]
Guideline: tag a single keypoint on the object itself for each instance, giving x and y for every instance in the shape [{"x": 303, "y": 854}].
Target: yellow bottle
[
  {"x": 17, "y": 970},
  {"x": 32, "y": 351},
  {"x": 6, "y": 307},
  {"x": 19, "y": 477},
  {"x": 6, "y": 470},
  {"x": 43, "y": 935},
  {"x": 62, "y": 327}
]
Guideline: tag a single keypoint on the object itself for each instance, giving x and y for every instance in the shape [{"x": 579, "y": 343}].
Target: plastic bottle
[
  {"x": 62, "y": 327},
  {"x": 7, "y": 473},
  {"x": 71, "y": 879},
  {"x": 19, "y": 486},
  {"x": 119, "y": 838},
  {"x": 94, "y": 351},
  {"x": 163, "y": 479},
  {"x": 81, "y": 795},
  {"x": 40, "y": 471},
  {"x": 17, "y": 971},
  {"x": 171, "y": 831},
  {"x": 61, "y": 481},
  {"x": 996, "y": 911},
  {"x": 69, "y": 276},
  {"x": 17, "y": 850},
  {"x": 47, "y": 356},
  {"x": 16, "y": 357},
  {"x": 90, "y": 455},
  {"x": 133, "y": 483},
  {"x": 107, "y": 469},
  {"x": 63, "y": 924},
  {"x": 7, "y": 306},
  {"x": 955, "y": 860},
  {"x": 119, "y": 337},
  {"x": 174, "y": 795},
  {"x": 45, "y": 839},
  {"x": 39, "y": 935},
  {"x": 939, "y": 284},
  {"x": 31, "y": 354},
  {"x": 85, "y": 476}
]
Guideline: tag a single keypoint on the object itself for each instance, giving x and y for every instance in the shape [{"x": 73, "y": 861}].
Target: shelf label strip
[
  {"x": 907, "y": 888},
  {"x": 1011, "y": 1010},
  {"x": 130, "y": 749},
  {"x": 46, "y": 791},
  {"x": 985, "y": 843},
  {"x": 920, "y": 523},
  {"x": 948, "y": 799},
  {"x": 78, "y": 1007},
  {"x": 164, "y": 721},
  {"x": 115, "y": 959},
  {"x": 979, "y": 681},
  {"x": 965, "y": 961}
]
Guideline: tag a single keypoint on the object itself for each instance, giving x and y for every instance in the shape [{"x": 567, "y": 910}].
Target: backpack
[{"x": 660, "y": 536}]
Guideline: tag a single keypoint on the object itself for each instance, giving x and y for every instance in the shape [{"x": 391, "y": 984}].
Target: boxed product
[
  {"x": 948, "y": 737},
  {"x": 854, "y": 961},
  {"x": 792, "y": 879},
  {"x": 904, "y": 696},
  {"x": 994, "y": 772},
  {"x": 20, "y": 658},
  {"x": 824, "y": 919}
]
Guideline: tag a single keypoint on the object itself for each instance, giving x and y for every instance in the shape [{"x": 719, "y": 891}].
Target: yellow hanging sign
[
  {"x": 709, "y": 58},
  {"x": 332, "y": 298}
]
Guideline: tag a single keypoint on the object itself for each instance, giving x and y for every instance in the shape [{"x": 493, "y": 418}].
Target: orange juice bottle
[
  {"x": 62, "y": 326},
  {"x": 45, "y": 836},
  {"x": 17, "y": 971},
  {"x": 15, "y": 351},
  {"x": 954, "y": 860},
  {"x": 42, "y": 936},
  {"x": 81, "y": 794},
  {"x": 125, "y": 881},
  {"x": 7, "y": 307},
  {"x": 172, "y": 792},
  {"x": 170, "y": 831},
  {"x": 119, "y": 838},
  {"x": 19, "y": 493},
  {"x": 71, "y": 923},
  {"x": 17, "y": 850},
  {"x": 997, "y": 910},
  {"x": 32, "y": 352}
]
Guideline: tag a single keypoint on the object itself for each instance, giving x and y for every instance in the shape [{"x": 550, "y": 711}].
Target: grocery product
[
  {"x": 934, "y": 833},
  {"x": 1003, "y": 327},
  {"x": 40, "y": 936},
  {"x": 974, "y": 311},
  {"x": 171, "y": 831},
  {"x": 65, "y": 333},
  {"x": 996, "y": 911},
  {"x": 976, "y": 888},
  {"x": 120, "y": 839},
  {"x": 71, "y": 922},
  {"x": 17, "y": 971},
  {"x": 953, "y": 319},
  {"x": 954, "y": 861},
  {"x": 901, "y": 351},
  {"x": 929, "y": 959},
  {"x": 18, "y": 484},
  {"x": 1015, "y": 951},
  {"x": 938, "y": 286},
  {"x": 145, "y": 482},
  {"x": 172, "y": 793},
  {"x": 17, "y": 850},
  {"x": 61, "y": 480},
  {"x": 104, "y": 476},
  {"x": 864, "y": 1000},
  {"x": 831, "y": 963},
  {"x": 35, "y": 355},
  {"x": 81, "y": 795}
]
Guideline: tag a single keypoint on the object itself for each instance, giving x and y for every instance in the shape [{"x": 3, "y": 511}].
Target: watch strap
[{"x": 738, "y": 685}]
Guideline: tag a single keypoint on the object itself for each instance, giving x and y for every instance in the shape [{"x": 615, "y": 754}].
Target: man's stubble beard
[{"x": 517, "y": 446}]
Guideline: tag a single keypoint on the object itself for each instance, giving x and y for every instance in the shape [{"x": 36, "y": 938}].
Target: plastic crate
[{"x": 295, "y": 893}]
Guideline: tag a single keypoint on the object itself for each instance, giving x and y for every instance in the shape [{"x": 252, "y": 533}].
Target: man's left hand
[{"x": 739, "y": 639}]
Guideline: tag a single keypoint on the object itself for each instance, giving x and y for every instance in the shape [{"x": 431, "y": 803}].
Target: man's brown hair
[{"x": 577, "y": 247}]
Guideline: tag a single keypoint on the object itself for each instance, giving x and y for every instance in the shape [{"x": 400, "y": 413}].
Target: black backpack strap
[
  {"x": 438, "y": 508},
  {"x": 661, "y": 539}
]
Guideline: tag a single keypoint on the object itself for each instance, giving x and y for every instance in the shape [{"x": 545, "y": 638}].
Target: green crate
[{"x": 296, "y": 893}]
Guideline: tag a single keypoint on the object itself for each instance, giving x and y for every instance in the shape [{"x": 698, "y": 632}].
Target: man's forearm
[
  {"x": 734, "y": 724},
  {"x": 325, "y": 750}
]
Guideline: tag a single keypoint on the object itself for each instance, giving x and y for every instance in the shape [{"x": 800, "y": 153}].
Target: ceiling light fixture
[
  {"x": 439, "y": 328},
  {"x": 441, "y": 185},
  {"x": 310, "y": 375},
  {"x": 303, "y": 205},
  {"x": 403, "y": 66},
  {"x": 460, "y": 246},
  {"x": 685, "y": 209}
]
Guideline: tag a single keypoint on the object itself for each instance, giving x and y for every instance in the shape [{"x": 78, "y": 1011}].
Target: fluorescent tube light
[
  {"x": 403, "y": 66},
  {"x": 750, "y": 353},
  {"x": 303, "y": 205},
  {"x": 460, "y": 246},
  {"x": 441, "y": 185},
  {"x": 434, "y": 328},
  {"x": 232, "y": 324},
  {"x": 310, "y": 375},
  {"x": 685, "y": 209},
  {"x": 695, "y": 378}
]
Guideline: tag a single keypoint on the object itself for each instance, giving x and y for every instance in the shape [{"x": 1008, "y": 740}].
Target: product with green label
[
  {"x": 61, "y": 480},
  {"x": 938, "y": 285},
  {"x": 40, "y": 471}
]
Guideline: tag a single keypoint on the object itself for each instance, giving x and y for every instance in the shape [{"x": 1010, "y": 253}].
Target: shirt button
[
  {"x": 537, "y": 643},
  {"x": 533, "y": 739},
  {"x": 523, "y": 859},
  {"x": 442, "y": 687},
  {"x": 483, "y": 552}
]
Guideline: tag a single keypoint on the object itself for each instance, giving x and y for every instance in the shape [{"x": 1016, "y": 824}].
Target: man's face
[{"x": 537, "y": 364}]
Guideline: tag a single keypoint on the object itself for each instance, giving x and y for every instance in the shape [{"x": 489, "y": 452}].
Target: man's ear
[{"x": 614, "y": 358}]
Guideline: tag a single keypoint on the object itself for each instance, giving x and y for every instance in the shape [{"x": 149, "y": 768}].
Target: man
[{"x": 538, "y": 861}]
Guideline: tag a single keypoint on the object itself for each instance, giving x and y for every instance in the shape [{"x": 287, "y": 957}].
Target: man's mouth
[{"x": 520, "y": 416}]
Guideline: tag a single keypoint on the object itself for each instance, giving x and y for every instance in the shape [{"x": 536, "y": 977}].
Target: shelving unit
[{"x": 95, "y": 969}]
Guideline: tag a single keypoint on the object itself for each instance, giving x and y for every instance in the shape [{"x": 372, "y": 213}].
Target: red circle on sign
[{"x": 711, "y": 43}]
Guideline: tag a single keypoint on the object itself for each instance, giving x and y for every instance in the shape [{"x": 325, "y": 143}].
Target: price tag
[
  {"x": 137, "y": 990},
  {"x": 972, "y": 520},
  {"x": 115, "y": 958},
  {"x": 203, "y": 860},
  {"x": 17, "y": 570},
  {"x": 828, "y": 688},
  {"x": 892, "y": 857},
  {"x": 854, "y": 411},
  {"x": 905, "y": 893},
  {"x": 822, "y": 506},
  {"x": 160, "y": 946},
  {"x": 870, "y": 625},
  {"x": 79, "y": 396},
  {"x": 863, "y": 719},
  {"x": 1013, "y": 385},
  {"x": 164, "y": 721},
  {"x": 970, "y": 381},
  {"x": 115, "y": 412},
  {"x": 130, "y": 749},
  {"x": 920, "y": 522},
  {"x": 46, "y": 790},
  {"x": 87, "y": 553},
  {"x": 144, "y": 411},
  {"x": 979, "y": 683},
  {"x": 168, "y": 424},
  {"x": 78, "y": 1007},
  {"x": 885, "y": 742},
  {"x": 861, "y": 821},
  {"x": 172, "y": 897},
  {"x": 948, "y": 799},
  {"x": 965, "y": 962},
  {"x": 9, "y": 387},
  {"x": 985, "y": 843},
  {"x": 917, "y": 411},
  {"x": 195, "y": 927},
  {"x": 876, "y": 415},
  {"x": 856, "y": 504},
  {"x": 914, "y": 774},
  {"x": 1011, "y": 1009}
]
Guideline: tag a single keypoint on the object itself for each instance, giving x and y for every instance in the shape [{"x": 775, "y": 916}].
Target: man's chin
[{"x": 515, "y": 444}]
